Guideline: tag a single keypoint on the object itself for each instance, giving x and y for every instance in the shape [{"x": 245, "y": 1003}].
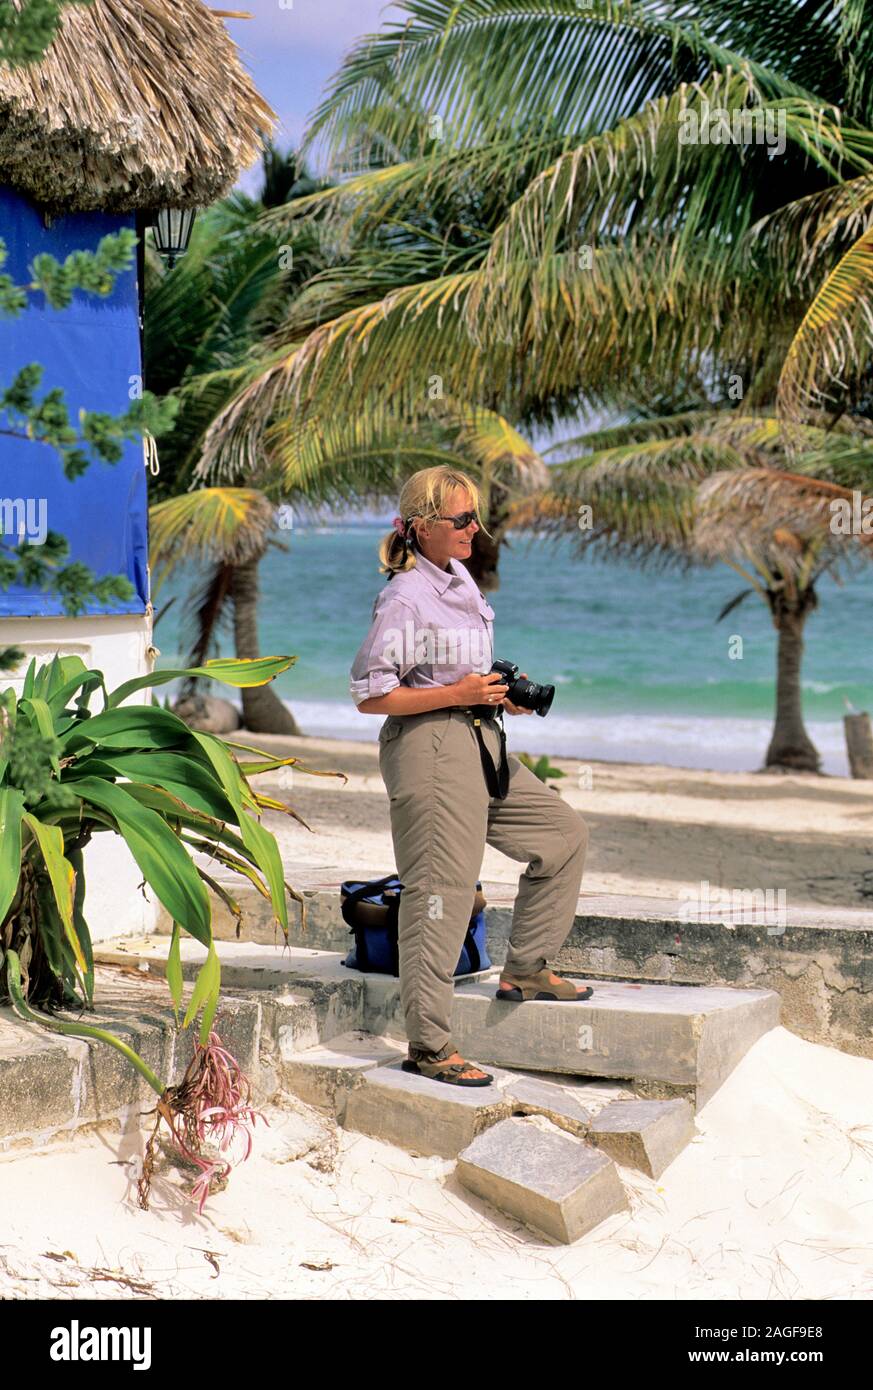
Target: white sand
[
  {"x": 654, "y": 830},
  {"x": 773, "y": 1200}
]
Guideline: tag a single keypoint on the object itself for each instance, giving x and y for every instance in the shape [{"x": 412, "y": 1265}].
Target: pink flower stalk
[{"x": 211, "y": 1103}]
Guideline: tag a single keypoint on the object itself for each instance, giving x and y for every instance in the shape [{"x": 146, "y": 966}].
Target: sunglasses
[{"x": 460, "y": 521}]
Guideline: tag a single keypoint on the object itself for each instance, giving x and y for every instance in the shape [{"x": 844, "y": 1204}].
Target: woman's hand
[
  {"x": 517, "y": 709},
  {"x": 477, "y": 689}
]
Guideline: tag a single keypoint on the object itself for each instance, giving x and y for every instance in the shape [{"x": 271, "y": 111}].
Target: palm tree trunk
[
  {"x": 263, "y": 711},
  {"x": 791, "y": 747},
  {"x": 485, "y": 556}
]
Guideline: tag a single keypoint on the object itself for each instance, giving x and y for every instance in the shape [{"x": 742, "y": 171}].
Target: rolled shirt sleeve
[{"x": 378, "y": 666}]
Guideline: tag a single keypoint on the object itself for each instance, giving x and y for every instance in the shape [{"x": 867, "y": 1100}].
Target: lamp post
[{"x": 172, "y": 232}]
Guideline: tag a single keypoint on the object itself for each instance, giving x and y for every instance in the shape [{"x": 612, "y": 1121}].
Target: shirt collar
[{"x": 440, "y": 579}]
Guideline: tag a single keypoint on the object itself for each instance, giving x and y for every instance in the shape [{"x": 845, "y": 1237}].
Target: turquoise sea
[{"x": 643, "y": 671}]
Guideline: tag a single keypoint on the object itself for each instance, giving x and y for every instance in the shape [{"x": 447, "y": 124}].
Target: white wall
[{"x": 121, "y": 647}]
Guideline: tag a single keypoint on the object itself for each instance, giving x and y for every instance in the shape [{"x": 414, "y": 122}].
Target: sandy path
[{"x": 654, "y": 829}]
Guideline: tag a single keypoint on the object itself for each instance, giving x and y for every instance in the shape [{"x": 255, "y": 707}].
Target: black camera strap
[{"x": 496, "y": 780}]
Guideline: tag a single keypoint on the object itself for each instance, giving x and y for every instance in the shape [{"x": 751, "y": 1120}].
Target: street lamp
[{"x": 172, "y": 232}]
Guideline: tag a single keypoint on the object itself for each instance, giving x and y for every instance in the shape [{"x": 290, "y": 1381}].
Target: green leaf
[
  {"x": 42, "y": 718},
  {"x": 50, "y": 839},
  {"x": 77, "y": 860},
  {"x": 208, "y": 1016},
  {"x": 206, "y": 986},
  {"x": 30, "y": 676},
  {"x": 193, "y": 783},
  {"x": 134, "y": 727},
  {"x": 229, "y": 670},
  {"x": 165, "y": 863},
  {"x": 44, "y": 676},
  {"x": 176, "y": 813},
  {"x": 11, "y": 809},
  {"x": 259, "y": 842},
  {"x": 87, "y": 680},
  {"x": 50, "y": 927},
  {"x": 174, "y": 970}
]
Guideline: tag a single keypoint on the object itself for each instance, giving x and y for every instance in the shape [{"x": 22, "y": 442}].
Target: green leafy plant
[
  {"x": 67, "y": 774},
  {"x": 542, "y": 768}
]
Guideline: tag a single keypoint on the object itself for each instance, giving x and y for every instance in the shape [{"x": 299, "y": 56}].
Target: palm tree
[
  {"x": 228, "y": 531},
  {"x": 576, "y": 162},
  {"x": 707, "y": 485},
  {"x": 211, "y": 327},
  {"x": 610, "y": 260},
  {"x": 203, "y": 319}
]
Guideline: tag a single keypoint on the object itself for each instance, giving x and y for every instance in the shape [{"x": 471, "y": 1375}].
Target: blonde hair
[{"x": 423, "y": 495}]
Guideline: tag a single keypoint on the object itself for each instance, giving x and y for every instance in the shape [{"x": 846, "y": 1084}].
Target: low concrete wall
[
  {"x": 822, "y": 966},
  {"x": 823, "y": 973}
]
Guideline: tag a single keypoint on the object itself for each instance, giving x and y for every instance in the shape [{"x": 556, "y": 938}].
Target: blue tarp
[{"x": 91, "y": 350}]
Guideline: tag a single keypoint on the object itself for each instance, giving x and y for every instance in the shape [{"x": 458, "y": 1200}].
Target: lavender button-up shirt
[{"x": 430, "y": 627}]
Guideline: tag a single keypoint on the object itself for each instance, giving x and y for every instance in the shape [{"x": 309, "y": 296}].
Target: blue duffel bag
[{"x": 371, "y": 911}]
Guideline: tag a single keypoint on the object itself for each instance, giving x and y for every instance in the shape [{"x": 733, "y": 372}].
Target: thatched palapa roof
[{"x": 137, "y": 104}]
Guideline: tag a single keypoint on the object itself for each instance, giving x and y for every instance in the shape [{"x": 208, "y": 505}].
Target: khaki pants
[{"x": 442, "y": 816}]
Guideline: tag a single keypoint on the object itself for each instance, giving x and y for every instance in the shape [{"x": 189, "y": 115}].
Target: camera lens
[
  {"x": 526, "y": 694},
  {"x": 531, "y": 695}
]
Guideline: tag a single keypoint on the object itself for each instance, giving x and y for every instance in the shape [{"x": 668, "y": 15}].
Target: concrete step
[
  {"x": 644, "y": 1134},
  {"x": 817, "y": 961},
  {"x": 419, "y": 1114},
  {"x": 324, "y": 1075},
  {"x": 426, "y": 1116},
  {"x": 665, "y": 1040},
  {"x": 557, "y": 1185}
]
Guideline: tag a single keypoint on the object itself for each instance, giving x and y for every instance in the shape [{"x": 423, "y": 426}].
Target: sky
[{"x": 292, "y": 48}]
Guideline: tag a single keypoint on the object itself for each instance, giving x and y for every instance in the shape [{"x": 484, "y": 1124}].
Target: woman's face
[{"x": 439, "y": 540}]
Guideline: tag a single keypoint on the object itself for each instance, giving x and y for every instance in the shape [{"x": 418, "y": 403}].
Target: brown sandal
[
  {"x": 438, "y": 1069},
  {"x": 521, "y": 988}
]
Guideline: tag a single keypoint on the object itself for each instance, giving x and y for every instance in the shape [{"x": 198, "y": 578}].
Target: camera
[{"x": 526, "y": 693}]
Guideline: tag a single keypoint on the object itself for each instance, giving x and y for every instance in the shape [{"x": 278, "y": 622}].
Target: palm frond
[
  {"x": 781, "y": 520},
  {"x": 484, "y": 64},
  {"x": 833, "y": 343},
  {"x": 226, "y": 525}
]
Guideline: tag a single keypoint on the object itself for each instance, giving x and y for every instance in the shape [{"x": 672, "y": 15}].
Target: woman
[{"x": 426, "y": 663}]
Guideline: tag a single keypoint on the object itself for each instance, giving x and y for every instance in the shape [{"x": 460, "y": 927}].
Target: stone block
[
  {"x": 644, "y": 1134},
  {"x": 108, "y": 1083},
  {"x": 290, "y": 1023},
  {"x": 553, "y": 1183}
]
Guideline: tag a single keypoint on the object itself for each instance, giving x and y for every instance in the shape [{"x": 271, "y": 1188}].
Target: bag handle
[{"x": 365, "y": 890}]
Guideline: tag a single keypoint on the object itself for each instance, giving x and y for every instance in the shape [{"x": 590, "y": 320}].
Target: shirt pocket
[
  {"x": 485, "y": 609},
  {"x": 486, "y": 618}
]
